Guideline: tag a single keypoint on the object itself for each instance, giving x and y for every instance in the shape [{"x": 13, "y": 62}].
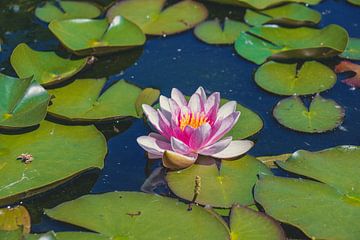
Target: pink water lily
[{"x": 189, "y": 129}]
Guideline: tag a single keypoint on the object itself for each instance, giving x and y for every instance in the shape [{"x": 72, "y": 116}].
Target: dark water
[{"x": 184, "y": 62}]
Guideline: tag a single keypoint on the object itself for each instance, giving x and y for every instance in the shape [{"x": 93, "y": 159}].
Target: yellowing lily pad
[
  {"x": 211, "y": 31},
  {"x": 221, "y": 187},
  {"x": 15, "y": 218},
  {"x": 261, "y": 4},
  {"x": 289, "y": 79},
  {"x": 134, "y": 215},
  {"x": 89, "y": 37},
  {"x": 289, "y": 14},
  {"x": 33, "y": 162},
  {"x": 23, "y": 102},
  {"x": 150, "y": 16},
  {"x": 355, "y": 2},
  {"x": 259, "y": 44},
  {"x": 82, "y": 100},
  {"x": 63, "y": 10},
  {"x": 323, "y": 114},
  {"x": 47, "y": 68},
  {"x": 352, "y": 50}
]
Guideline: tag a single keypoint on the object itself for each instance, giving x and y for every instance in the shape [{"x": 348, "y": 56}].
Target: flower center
[{"x": 193, "y": 120}]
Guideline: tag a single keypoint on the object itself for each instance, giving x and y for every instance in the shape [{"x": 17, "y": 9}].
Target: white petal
[
  {"x": 201, "y": 93},
  {"x": 235, "y": 149},
  {"x": 226, "y": 109},
  {"x": 153, "y": 145},
  {"x": 178, "y": 97}
]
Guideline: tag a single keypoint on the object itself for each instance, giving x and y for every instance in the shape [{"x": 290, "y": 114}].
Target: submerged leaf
[
  {"x": 346, "y": 66},
  {"x": 352, "y": 50}
]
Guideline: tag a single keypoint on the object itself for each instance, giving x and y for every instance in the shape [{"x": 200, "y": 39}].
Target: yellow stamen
[{"x": 193, "y": 120}]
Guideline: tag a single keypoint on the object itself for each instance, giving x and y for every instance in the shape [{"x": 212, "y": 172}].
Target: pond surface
[{"x": 180, "y": 61}]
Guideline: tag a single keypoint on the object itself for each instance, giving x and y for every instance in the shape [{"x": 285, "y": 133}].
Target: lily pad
[
  {"x": 290, "y": 14},
  {"x": 352, "y": 50},
  {"x": 23, "y": 104},
  {"x": 355, "y": 2},
  {"x": 74, "y": 148},
  {"x": 15, "y": 218},
  {"x": 150, "y": 16},
  {"x": 310, "y": 205},
  {"x": 323, "y": 114},
  {"x": 82, "y": 100},
  {"x": 271, "y": 42},
  {"x": 92, "y": 37},
  {"x": 67, "y": 236},
  {"x": 246, "y": 223},
  {"x": 11, "y": 235},
  {"x": 47, "y": 68},
  {"x": 221, "y": 187},
  {"x": 346, "y": 66},
  {"x": 261, "y": 4},
  {"x": 289, "y": 79},
  {"x": 270, "y": 160},
  {"x": 63, "y": 10},
  {"x": 211, "y": 31},
  {"x": 131, "y": 215}
]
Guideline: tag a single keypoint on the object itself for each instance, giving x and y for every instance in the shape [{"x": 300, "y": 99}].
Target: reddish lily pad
[{"x": 346, "y": 66}]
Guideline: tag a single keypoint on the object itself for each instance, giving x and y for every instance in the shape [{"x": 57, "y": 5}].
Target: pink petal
[
  {"x": 221, "y": 127},
  {"x": 179, "y": 146},
  {"x": 199, "y": 136},
  {"x": 178, "y": 97},
  {"x": 152, "y": 116},
  {"x": 175, "y": 111},
  {"x": 175, "y": 161},
  {"x": 196, "y": 104},
  {"x": 226, "y": 109},
  {"x": 164, "y": 125},
  {"x": 212, "y": 106},
  {"x": 235, "y": 149},
  {"x": 216, "y": 147},
  {"x": 153, "y": 145},
  {"x": 165, "y": 106},
  {"x": 201, "y": 93}
]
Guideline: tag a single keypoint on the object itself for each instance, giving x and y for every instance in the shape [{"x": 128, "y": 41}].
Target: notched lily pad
[
  {"x": 211, "y": 31},
  {"x": 82, "y": 100},
  {"x": 24, "y": 102},
  {"x": 221, "y": 187},
  {"x": 91, "y": 37},
  {"x": 261, "y": 43},
  {"x": 352, "y": 50},
  {"x": 289, "y": 79},
  {"x": 47, "y": 68},
  {"x": 261, "y": 4},
  {"x": 290, "y": 14},
  {"x": 63, "y": 10},
  {"x": 12, "y": 219},
  {"x": 150, "y": 16},
  {"x": 323, "y": 114},
  {"x": 57, "y": 153}
]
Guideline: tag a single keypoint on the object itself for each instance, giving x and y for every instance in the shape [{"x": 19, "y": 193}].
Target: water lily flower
[{"x": 186, "y": 130}]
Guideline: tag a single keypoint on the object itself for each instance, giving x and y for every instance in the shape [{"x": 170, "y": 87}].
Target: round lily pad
[
  {"x": 261, "y": 4},
  {"x": 352, "y": 50},
  {"x": 15, "y": 218},
  {"x": 211, "y": 31},
  {"x": 249, "y": 224},
  {"x": 355, "y": 2},
  {"x": 222, "y": 186},
  {"x": 150, "y": 16},
  {"x": 82, "y": 100},
  {"x": 323, "y": 114},
  {"x": 47, "y": 68},
  {"x": 91, "y": 37},
  {"x": 261, "y": 43},
  {"x": 134, "y": 215},
  {"x": 23, "y": 102},
  {"x": 33, "y": 162},
  {"x": 67, "y": 236},
  {"x": 290, "y": 14},
  {"x": 63, "y": 10},
  {"x": 289, "y": 79}
]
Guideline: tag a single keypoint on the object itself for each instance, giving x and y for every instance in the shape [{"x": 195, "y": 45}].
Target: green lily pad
[
  {"x": 150, "y": 16},
  {"x": 211, "y": 31},
  {"x": 246, "y": 223},
  {"x": 355, "y": 2},
  {"x": 46, "y": 67},
  {"x": 221, "y": 187},
  {"x": 134, "y": 215},
  {"x": 261, "y": 43},
  {"x": 11, "y": 235},
  {"x": 68, "y": 236},
  {"x": 261, "y": 4},
  {"x": 82, "y": 100},
  {"x": 323, "y": 114},
  {"x": 92, "y": 37},
  {"x": 287, "y": 79},
  {"x": 74, "y": 148},
  {"x": 15, "y": 218},
  {"x": 270, "y": 160},
  {"x": 352, "y": 50},
  {"x": 290, "y": 14},
  {"x": 63, "y": 10},
  {"x": 23, "y": 104}
]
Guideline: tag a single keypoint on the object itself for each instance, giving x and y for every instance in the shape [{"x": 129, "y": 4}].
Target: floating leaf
[
  {"x": 221, "y": 187},
  {"x": 58, "y": 153},
  {"x": 63, "y": 10},
  {"x": 11, "y": 235},
  {"x": 87, "y": 36},
  {"x": 46, "y": 67},
  {"x": 290, "y": 14},
  {"x": 134, "y": 215},
  {"x": 23, "y": 104},
  {"x": 289, "y": 79},
  {"x": 246, "y": 223},
  {"x": 81, "y": 100},
  {"x": 352, "y": 50},
  {"x": 67, "y": 236},
  {"x": 310, "y": 205},
  {"x": 323, "y": 114},
  {"x": 261, "y": 43},
  {"x": 211, "y": 31},
  {"x": 355, "y": 2},
  {"x": 346, "y": 66},
  {"x": 150, "y": 16},
  {"x": 147, "y": 96},
  {"x": 261, "y": 4},
  {"x": 270, "y": 160},
  {"x": 15, "y": 218}
]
